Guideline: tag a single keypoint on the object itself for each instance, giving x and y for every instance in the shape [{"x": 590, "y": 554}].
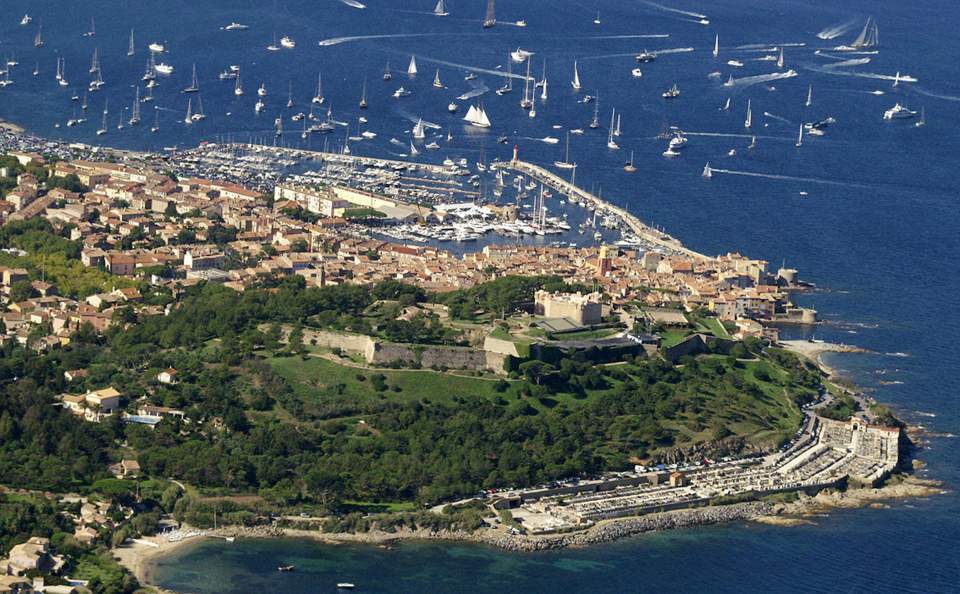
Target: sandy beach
[{"x": 815, "y": 350}]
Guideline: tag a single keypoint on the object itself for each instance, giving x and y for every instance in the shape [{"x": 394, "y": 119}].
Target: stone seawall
[{"x": 622, "y": 528}]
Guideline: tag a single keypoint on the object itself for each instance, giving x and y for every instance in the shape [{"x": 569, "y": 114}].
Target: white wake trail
[
  {"x": 339, "y": 40},
  {"x": 836, "y": 30},
  {"x": 747, "y": 81},
  {"x": 807, "y": 180}
]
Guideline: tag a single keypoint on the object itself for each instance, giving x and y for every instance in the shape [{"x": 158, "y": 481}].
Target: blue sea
[{"x": 868, "y": 212}]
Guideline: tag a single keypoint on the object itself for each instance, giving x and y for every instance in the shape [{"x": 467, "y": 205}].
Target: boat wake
[
  {"x": 809, "y": 180},
  {"x": 848, "y": 63},
  {"x": 730, "y": 135},
  {"x": 675, "y": 50},
  {"x": 834, "y": 31},
  {"x": 480, "y": 90},
  {"x": 354, "y": 3},
  {"x": 648, "y": 36},
  {"x": 935, "y": 95},
  {"x": 339, "y": 40},
  {"x": 472, "y": 68},
  {"x": 776, "y": 117},
  {"x": 747, "y": 81},
  {"x": 904, "y": 78},
  {"x": 700, "y": 18},
  {"x": 768, "y": 47}
]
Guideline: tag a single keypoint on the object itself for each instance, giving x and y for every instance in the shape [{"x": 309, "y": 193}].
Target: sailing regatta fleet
[{"x": 476, "y": 116}]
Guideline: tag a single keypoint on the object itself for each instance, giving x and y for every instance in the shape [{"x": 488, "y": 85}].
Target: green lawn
[
  {"x": 673, "y": 337},
  {"x": 317, "y": 374},
  {"x": 586, "y": 334},
  {"x": 715, "y": 327}
]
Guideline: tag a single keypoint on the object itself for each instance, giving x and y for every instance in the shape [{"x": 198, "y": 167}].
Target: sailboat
[
  {"x": 194, "y": 85},
  {"x": 610, "y": 142},
  {"x": 130, "y": 46},
  {"x": 97, "y": 82},
  {"x": 923, "y": 119},
  {"x": 809, "y": 100},
  {"x": 753, "y": 142},
  {"x": 596, "y": 21},
  {"x": 780, "y": 61},
  {"x": 629, "y": 167},
  {"x": 83, "y": 105},
  {"x": 526, "y": 102},
  {"x": 95, "y": 61},
  {"x": 748, "y": 122},
  {"x": 413, "y": 150},
  {"x": 533, "y": 105},
  {"x": 716, "y": 46},
  {"x": 189, "y": 117},
  {"x": 290, "y": 94},
  {"x": 92, "y": 31},
  {"x": 262, "y": 90},
  {"x": 477, "y": 116},
  {"x": 199, "y": 115},
  {"x": 800, "y": 137},
  {"x": 509, "y": 86},
  {"x": 135, "y": 113},
  {"x": 318, "y": 98},
  {"x": 156, "y": 121},
  {"x": 363, "y": 95},
  {"x": 386, "y": 72},
  {"x": 36, "y": 69},
  {"x": 726, "y": 106},
  {"x": 62, "y": 76},
  {"x": 440, "y": 9},
  {"x": 869, "y": 37},
  {"x": 707, "y": 172},
  {"x": 412, "y": 67},
  {"x": 543, "y": 83},
  {"x": 149, "y": 96},
  {"x": 595, "y": 122},
  {"x": 103, "y": 127},
  {"x": 576, "y": 77},
  {"x": 418, "y": 130},
  {"x": 896, "y": 79},
  {"x": 490, "y": 19},
  {"x": 38, "y": 38},
  {"x": 238, "y": 87},
  {"x": 436, "y": 79}
]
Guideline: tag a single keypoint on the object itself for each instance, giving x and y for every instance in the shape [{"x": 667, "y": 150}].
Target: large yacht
[{"x": 899, "y": 112}]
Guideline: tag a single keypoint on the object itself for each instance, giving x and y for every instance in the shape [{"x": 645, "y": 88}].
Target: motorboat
[{"x": 899, "y": 112}]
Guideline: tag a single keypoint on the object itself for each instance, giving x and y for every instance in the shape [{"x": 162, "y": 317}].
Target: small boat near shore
[{"x": 286, "y": 568}]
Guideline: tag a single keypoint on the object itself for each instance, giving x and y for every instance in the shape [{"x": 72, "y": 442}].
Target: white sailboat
[
  {"x": 533, "y": 105},
  {"x": 595, "y": 122},
  {"x": 418, "y": 130},
  {"x": 238, "y": 87},
  {"x": 318, "y": 98},
  {"x": 440, "y": 9},
  {"x": 896, "y": 79},
  {"x": 412, "y": 67},
  {"x": 477, "y": 116},
  {"x": 199, "y": 115},
  {"x": 135, "y": 112},
  {"x": 716, "y": 46},
  {"x": 490, "y": 18},
  {"x": 707, "y": 172},
  {"x": 726, "y": 106},
  {"x": 629, "y": 167},
  {"x": 748, "y": 122},
  {"x": 103, "y": 126},
  {"x": 189, "y": 117},
  {"x": 610, "y": 142},
  {"x": 38, "y": 38},
  {"x": 363, "y": 95},
  {"x": 436, "y": 79},
  {"x": 566, "y": 164},
  {"x": 131, "y": 49},
  {"x": 413, "y": 150},
  {"x": 596, "y": 21},
  {"x": 386, "y": 72},
  {"x": 526, "y": 102},
  {"x": 616, "y": 131},
  {"x": 800, "y": 137},
  {"x": 194, "y": 85},
  {"x": 543, "y": 83},
  {"x": 156, "y": 122},
  {"x": 576, "y": 77},
  {"x": 92, "y": 31},
  {"x": 290, "y": 94},
  {"x": 62, "y": 76},
  {"x": 809, "y": 100},
  {"x": 262, "y": 90},
  {"x": 780, "y": 61},
  {"x": 95, "y": 61},
  {"x": 508, "y": 87}
]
